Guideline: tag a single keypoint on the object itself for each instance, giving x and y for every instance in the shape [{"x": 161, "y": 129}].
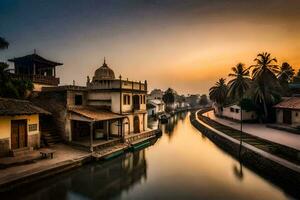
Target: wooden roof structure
[
  {"x": 292, "y": 103},
  {"x": 11, "y": 107},
  {"x": 94, "y": 114},
  {"x": 34, "y": 58}
]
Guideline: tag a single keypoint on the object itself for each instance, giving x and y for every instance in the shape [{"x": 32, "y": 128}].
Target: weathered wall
[{"x": 33, "y": 139}]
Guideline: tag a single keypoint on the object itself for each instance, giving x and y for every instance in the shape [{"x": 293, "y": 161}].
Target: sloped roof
[
  {"x": 10, "y": 107},
  {"x": 156, "y": 101},
  {"x": 34, "y": 58},
  {"x": 289, "y": 103},
  {"x": 149, "y": 106},
  {"x": 94, "y": 113}
]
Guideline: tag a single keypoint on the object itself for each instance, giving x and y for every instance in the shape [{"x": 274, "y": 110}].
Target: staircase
[{"x": 50, "y": 137}]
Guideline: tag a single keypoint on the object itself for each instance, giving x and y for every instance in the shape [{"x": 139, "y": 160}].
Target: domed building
[
  {"x": 104, "y": 73},
  {"x": 124, "y": 97}
]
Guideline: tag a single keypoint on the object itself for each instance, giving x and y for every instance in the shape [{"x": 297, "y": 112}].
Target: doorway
[
  {"x": 287, "y": 117},
  {"x": 18, "y": 134},
  {"x": 136, "y": 124}
]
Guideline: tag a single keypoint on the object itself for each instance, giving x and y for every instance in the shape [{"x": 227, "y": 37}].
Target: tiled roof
[
  {"x": 34, "y": 58},
  {"x": 19, "y": 107},
  {"x": 289, "y": 103},
  {"x": 94, "y": 113}
]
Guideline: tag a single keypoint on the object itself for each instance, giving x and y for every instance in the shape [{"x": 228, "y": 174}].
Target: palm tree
[
  {"x": 285, "y": 76},
  {"x": 240, "y": 82},
  {"x": 265, "y": 80},
  {"x": 3, "y": 43},
  {"x": 238, "y": 87},
  {"x": 218, "y": 93}
]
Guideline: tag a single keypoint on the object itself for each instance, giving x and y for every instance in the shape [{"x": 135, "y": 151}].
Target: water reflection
[
  {"x": 97, "y": 181},
  {"x": 182, "y": 164}
]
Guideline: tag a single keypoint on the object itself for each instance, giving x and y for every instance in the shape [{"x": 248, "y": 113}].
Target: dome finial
[{"x": 104, "y": 60}]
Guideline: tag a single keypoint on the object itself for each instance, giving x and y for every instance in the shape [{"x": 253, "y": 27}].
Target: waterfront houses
[
  {"x": 19, "y": 125},
  {"x": 107, "y": 109}
]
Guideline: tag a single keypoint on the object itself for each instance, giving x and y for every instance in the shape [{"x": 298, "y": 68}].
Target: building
[
  {"x": 19, "y": 125},
  {"x": 39, "y": 70},
  {"x": 288, "y": 112},
  {"x": 155, "y": 107},
  {"x": 156, "y": 94},
  {"x": 234, "y": 112},
  {"x": 108, "y": 108}
]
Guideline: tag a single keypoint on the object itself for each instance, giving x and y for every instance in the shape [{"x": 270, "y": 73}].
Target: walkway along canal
[{"x": 182, "y": 164}]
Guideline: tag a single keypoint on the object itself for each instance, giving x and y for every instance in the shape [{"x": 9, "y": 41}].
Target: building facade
[
  {"x": 106, "y": 108},
  {"x": 234, "y": 112},
  {"x": 19, "y": 125},
  {"x": 288, "y": 112}
]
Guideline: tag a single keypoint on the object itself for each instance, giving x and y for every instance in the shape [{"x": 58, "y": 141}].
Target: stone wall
[
  {"x": 4, "y": 147},
  {"x": 286, "y": 178},
  {"x": 34, "y": 141}
]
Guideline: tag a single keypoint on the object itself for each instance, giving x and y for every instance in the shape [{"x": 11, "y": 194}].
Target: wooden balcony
[{"x": 41, "y": 79}]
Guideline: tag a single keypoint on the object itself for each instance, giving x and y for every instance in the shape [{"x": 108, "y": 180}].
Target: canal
[{"x": 182, "y": 164}]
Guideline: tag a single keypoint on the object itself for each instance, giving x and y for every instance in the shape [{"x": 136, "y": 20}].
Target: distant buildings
[
  {"x": 234, "y": 112},
  {"x": 155, "y": 94},
  {"x": 155, "y": 107}
]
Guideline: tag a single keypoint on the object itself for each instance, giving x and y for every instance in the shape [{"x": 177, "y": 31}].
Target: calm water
[{"x": 182, "y": 164}]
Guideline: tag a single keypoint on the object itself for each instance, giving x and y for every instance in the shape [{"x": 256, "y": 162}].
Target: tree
[
  {"x": 9, "y": 87},
  {"x": 218, "y": 93},
  {"x": 169, "y": 96},
  {"x": 3, "y": 43},
  {"x": 296, "y": 79},
  {"x": 285, "y": 76},
  {"x": 237, "y": 89},
  {"x": 203, "y": 100},
  {"x": 265, "y": 81},
  {"x": 240, "y": 82}
]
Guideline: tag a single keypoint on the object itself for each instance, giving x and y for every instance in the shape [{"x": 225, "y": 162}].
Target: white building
[
  {"x": 124, "y": 97},
  {"x": 155, "y": 106},
  {"x": 234, "y": 112},
  {"x": 288, "y": 111}
]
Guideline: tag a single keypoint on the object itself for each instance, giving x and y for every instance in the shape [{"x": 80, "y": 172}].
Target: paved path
[
  {"x": 260, "y": 130},
  {"x": 63, "y": 153}
]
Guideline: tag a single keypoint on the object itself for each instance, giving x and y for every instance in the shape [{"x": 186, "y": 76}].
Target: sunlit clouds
[{"x": 186, "y": 45}]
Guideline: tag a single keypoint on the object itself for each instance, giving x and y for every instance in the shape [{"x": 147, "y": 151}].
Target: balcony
[{"x": 41, "y": 79}]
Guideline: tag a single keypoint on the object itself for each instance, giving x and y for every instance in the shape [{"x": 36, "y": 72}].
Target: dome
[{"x": 104, "y": 73}]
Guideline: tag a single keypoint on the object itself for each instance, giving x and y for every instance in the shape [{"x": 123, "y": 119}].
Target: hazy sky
[{"x": 183, "y": 44}]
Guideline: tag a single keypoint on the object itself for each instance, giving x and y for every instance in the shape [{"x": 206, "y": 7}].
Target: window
[
  {"x": 237, "y": 110},
  {"x": 78, "y": 99},
  {"x": 126, "y": 99},
  {"x": 144, "y": 99},
  {"x": 231, "y": 109},
  {"x": 296, "y": 114}
]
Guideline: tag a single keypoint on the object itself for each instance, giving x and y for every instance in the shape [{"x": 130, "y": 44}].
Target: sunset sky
[{"x": 183, "y": 44}]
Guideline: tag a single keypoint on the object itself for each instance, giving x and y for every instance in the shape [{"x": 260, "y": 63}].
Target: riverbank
[
  {"x": 280, "y": 171},
  {"x": 68, "y": 157}
]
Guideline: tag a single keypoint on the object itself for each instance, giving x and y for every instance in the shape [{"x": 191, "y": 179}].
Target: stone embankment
[{"x": 280, "y": 171}]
